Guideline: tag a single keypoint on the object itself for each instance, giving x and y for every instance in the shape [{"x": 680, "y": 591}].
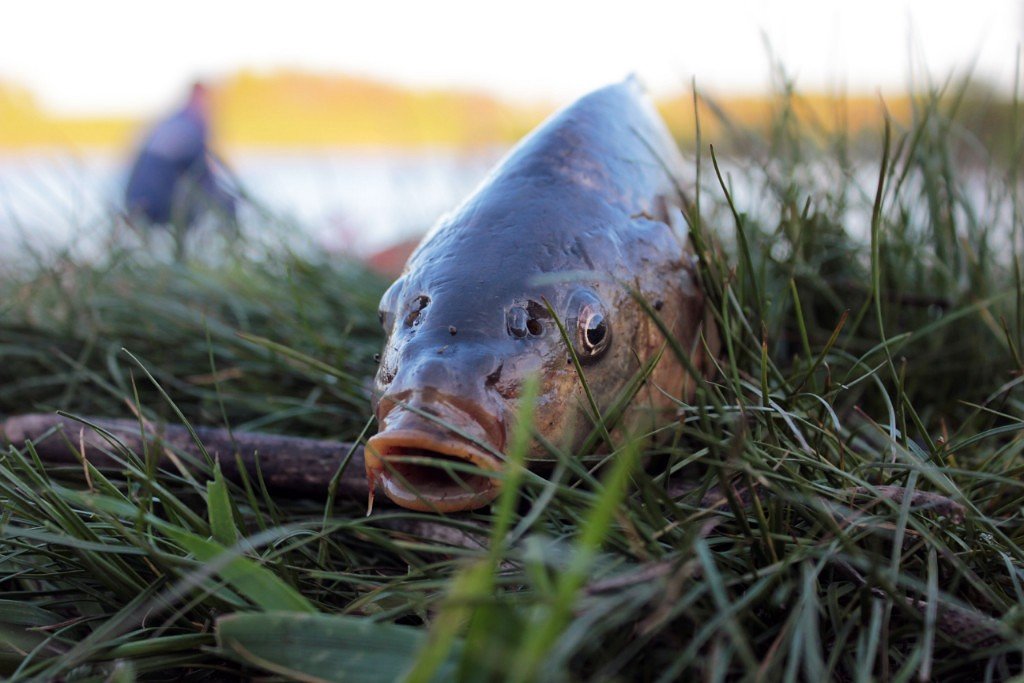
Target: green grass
[{"x": 853, "y": 498}]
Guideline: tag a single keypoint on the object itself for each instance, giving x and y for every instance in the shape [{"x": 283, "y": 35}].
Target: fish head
[
  {"x": 463, "y": 338},
  {"x": 540, "y": 270}
]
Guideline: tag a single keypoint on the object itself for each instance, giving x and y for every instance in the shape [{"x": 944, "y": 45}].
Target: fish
[{"x": 570, "y": 241}]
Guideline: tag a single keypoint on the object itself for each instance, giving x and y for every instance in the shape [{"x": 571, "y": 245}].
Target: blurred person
[{"x": 172, "y": 181}]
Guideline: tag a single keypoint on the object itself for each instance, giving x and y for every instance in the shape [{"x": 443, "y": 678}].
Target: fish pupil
[{"x": 596, "y": 330}]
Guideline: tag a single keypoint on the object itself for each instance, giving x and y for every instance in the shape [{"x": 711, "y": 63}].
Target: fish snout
[
  {"x": 434, "y": 456},
  {"x": 463, "y": 370},
  {"x": 442, "y": 426}
]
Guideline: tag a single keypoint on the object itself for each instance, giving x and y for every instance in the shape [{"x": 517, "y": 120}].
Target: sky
[{"x": 135, "y": 57}]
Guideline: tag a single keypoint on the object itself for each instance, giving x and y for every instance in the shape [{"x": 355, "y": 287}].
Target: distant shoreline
[{"x": 303, "y": 112}]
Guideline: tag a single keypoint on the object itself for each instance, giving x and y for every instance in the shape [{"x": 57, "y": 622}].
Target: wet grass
[{"x": 853, "y": 498}]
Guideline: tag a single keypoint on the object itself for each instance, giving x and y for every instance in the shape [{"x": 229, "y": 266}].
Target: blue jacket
[{"x": 171, "y": 177}]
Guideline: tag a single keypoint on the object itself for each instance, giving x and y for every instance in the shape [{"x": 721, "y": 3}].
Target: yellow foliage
[
  {"x": 23, "y": 123},
  {"x": 817, "y": 114},
  {"x": 302, "y": 110}
]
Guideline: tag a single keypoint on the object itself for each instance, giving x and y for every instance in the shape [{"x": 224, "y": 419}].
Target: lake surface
[
  {"x": 361, "y": 201},
  {"x": 355, "y": 200}
]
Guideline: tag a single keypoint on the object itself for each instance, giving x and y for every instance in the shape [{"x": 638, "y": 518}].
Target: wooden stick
[{"x": 289, "y": 465}]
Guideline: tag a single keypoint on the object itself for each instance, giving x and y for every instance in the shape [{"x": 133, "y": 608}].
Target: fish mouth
[{"x": 422, "y": 472}]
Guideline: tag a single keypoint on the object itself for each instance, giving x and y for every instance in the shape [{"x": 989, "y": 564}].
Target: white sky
[{"x": 98, "y": 56}]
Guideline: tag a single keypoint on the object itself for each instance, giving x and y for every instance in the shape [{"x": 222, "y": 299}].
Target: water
[
  {"x": 361, "y": 201},
  {"x": 347, "y": 200}
]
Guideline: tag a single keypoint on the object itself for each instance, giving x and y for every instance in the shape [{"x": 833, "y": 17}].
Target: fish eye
[{"x": 593, "y": 334}]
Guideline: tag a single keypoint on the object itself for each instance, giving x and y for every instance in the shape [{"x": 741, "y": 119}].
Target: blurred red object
[{"x": 391, "y": 261}]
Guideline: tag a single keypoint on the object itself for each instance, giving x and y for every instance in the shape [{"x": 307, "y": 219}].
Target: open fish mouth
[{"x": 420, "y": 471}]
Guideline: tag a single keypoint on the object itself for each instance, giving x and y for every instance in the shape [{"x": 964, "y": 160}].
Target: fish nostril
[
  {"x": 416, "y": 308},
  {"x": 494, "y": 377}
]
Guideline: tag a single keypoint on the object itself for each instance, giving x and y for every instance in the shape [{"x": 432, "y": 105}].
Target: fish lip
[{"x": 399, "y": 460}]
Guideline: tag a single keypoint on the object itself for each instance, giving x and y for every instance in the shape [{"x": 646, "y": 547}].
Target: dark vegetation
[{"x": 842, "y": 500}]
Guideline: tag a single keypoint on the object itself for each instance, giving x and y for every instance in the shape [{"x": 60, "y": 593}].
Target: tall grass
[
  {"x": 205, "y": 330},
  {"x": 842, "y": 499}
]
